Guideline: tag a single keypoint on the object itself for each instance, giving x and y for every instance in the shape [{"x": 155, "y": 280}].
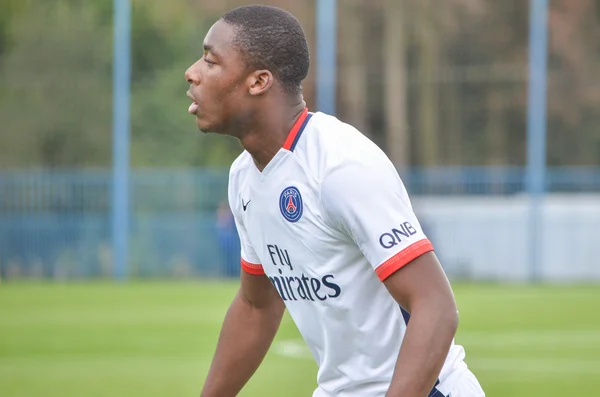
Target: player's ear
[{"x": 260, "y": 82}]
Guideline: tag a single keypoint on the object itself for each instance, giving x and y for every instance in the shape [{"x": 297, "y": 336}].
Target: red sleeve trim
[
  {"x": 252, "y": 268},
  {"x": 402, "y": 258}
]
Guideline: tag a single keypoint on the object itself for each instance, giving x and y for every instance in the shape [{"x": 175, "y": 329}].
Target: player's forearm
[
  {"x": 245, "y": 338},
  {"x": 426, "y": 344}
]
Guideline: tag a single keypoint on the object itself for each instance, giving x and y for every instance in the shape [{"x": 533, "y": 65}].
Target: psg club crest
[{"x": 290, "y": 204}]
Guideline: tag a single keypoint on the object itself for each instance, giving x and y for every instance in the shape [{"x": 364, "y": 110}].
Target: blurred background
[{"x": 104, "y": 176}]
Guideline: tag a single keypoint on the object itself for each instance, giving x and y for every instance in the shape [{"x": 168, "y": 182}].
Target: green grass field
[{"x": 157, "y": 339}]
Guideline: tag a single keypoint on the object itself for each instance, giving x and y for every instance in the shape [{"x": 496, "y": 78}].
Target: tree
[
  {"x": 395, "y": 39},
  {"x": 56, "y": 107},
  {"x": 353, "y": 74}
]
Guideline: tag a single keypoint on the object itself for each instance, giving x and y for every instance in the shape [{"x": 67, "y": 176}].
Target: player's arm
[
  {"x": 250, "y": 323},
  {"x": 365, "y": 199},
  {"x": 248, "y": 330},
  {"x": 421, "y": 287}
]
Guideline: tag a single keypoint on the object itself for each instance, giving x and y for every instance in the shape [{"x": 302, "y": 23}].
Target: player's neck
[{"x": 268, "y": 133}]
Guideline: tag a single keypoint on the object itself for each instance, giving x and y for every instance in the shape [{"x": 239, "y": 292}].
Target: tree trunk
[
  {"x": 496, "y": 147},
  {"x": 428, "y": 84},
  {"x": 395, "y": 83},
  {"x": 352, "y": 66}
]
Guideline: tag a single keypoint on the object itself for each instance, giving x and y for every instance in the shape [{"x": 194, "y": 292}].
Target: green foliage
[
  {"x": 465, "y": 84},
  {"x": 57, "y": 103},
  {"x": 164, "y": 134},
  {"x": 56, "y": 85}
]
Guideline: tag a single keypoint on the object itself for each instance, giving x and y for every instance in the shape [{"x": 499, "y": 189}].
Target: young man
[{"x": 326, "y": 228}]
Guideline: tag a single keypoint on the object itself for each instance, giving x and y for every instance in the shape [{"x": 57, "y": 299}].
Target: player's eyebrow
[{"x": 211, "y": 49}]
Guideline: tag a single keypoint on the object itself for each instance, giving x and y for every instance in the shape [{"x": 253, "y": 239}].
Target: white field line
[{"x": 297, "y": 349}]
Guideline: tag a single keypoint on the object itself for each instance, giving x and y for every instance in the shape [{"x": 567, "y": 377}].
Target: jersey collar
[{"x": 296, "y": 131}]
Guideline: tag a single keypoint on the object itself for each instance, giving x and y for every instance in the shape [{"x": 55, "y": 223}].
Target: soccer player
[{"x": 326, "y": 229}]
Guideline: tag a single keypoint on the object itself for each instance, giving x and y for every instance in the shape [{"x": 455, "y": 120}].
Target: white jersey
[{"x": 327, "y": 220}]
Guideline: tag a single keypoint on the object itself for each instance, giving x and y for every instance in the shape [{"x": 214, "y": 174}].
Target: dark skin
[
  {"x": 233, "y": 100},
  {"x": 251, "y": 105}
]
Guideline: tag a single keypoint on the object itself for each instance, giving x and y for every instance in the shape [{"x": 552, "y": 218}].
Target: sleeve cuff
[
  {"x": 252, "y": 268},
  {"x": 402, "y": 258}
]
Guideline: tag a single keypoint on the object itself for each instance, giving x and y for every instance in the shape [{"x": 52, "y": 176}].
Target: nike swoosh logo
[{"x": 245, "y": 205}]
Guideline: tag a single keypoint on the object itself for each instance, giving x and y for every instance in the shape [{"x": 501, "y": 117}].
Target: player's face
[{"x": 217, "y": 81}]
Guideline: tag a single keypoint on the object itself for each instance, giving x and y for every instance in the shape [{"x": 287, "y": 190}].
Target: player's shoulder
[
  {"x": 238, "y": 169},
  {"x": 331, "y": 143},
  {"x": 242, "y": 162},
  {"x": 237, "y": 172}
]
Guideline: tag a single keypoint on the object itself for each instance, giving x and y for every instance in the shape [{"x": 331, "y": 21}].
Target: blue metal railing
[{"x": 57, "y": 223}]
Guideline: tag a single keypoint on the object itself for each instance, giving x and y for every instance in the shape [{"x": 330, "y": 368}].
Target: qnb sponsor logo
[
  {"x": 396, "y": 236},
  {"x": 295, "y": 287}
]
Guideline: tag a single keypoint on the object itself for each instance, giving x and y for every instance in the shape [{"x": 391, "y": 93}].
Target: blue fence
[{"x": 57, "y": 224}]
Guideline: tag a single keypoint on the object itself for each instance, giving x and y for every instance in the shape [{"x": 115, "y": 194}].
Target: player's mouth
[{"x": 193, "y": 109}]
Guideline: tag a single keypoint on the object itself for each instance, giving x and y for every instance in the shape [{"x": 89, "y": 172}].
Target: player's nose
[{"x": 192, "y": 76}]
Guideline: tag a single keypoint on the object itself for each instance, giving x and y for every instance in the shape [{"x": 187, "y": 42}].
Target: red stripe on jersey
[
  {"x": 403, "y": 257},
  {"x": 295, "y": 129},
  {"x": 252, "y": 268}
]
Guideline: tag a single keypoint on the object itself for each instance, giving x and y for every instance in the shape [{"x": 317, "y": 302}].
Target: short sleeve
[
  {"x": 249, "y": 260},
  {"x": 367, "y": 200}
]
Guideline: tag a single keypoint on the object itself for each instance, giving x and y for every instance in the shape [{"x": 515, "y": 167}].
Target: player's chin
[
  {"x": 203, "y": 124},
  {"x": 207, "y": 126}
]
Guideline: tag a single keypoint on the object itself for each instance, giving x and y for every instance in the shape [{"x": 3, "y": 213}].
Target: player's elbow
[
  {"x": 442, "y": 313},
  {"x": 448, "y": 315},
  {"x": 453, "y": 320}
]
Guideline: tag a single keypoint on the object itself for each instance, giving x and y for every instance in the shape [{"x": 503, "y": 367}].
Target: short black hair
[{"x": 271, "y": 38}]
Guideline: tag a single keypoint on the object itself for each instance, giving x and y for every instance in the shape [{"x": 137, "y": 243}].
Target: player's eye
[{"x": 205, "y": 57}]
